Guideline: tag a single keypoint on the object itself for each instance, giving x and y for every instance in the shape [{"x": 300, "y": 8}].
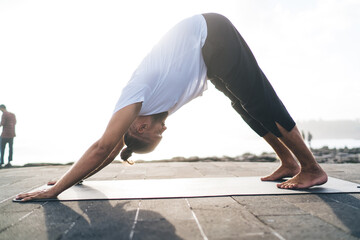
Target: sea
[{"x": 231, "y": 148}]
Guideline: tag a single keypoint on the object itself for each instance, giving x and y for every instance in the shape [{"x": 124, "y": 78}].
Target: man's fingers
[
  {"x": 21, "y": 196},
  {"x": 29, "y": 196},
  {"x": 26, "y": 199}
]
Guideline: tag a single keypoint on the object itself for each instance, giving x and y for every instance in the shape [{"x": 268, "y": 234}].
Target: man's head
[
  {"x": 144, "y": 134},
  {"x": 2, "y": 107}
]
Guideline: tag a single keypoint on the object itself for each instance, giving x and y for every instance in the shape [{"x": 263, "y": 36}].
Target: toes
[
  {"x": 287, "y": 185},
  {"x": 264, "y": 178},
  {"x": 270, "y": 178},
  {"x": 291, "y": 186}
]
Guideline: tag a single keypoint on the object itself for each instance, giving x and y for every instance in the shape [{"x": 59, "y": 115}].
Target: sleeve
[{"x": 132, "y": 93}]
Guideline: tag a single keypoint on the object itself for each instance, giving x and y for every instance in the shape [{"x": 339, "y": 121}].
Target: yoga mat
[{"x": 191, "y": 187}]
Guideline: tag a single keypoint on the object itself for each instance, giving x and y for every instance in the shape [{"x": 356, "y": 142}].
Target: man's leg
[
  {"x": 228, "y": 57},
  {"x": 289, "y": 166},
  {"x": 3, "y": 142},
  {"x": 287, "y": 143},
  {"x": 311, "y": 173},
  {"x": 11, "y": 141}
]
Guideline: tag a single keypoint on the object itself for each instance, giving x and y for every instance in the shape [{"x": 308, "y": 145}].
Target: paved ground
[{"x": 323, "y": 216}]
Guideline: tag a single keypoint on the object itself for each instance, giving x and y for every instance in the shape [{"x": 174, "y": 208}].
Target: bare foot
[
  {"x": 282, "y": 172},
  {"x": 305, "y": 179}
]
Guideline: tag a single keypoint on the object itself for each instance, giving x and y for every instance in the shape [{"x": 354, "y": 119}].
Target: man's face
[
  {"x": 151, "y": 128},
  {"x": 158, "y": 126},
  {"x": 156, "y": 129}
]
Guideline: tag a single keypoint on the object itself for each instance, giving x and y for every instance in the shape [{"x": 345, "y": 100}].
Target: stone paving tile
[
  {"x": 304, "y": 227},
  {"x": 353, "y": 197},
  {"x": 27, "y": 178},
  {"x": 187, "y": 171},
  {"x": 348, "y": 171},
  {"x": 224, "y": 218},
  {"x": 211, "y": 170},
  {"x": 169, "y": 218},
  {"x": 338, "y": 213},
  {"x": 24, "y": 225},
  {"x": 159, "y": 172},
  {"x": 62, "y": 218},
  {"x": 12, "y": 215},
  {"x": 103, "y": 220},
  {"x": 76, "y": 220},
  {"x": 335, "y": 212},
  {"x": 306, "y": 198},
  {"x": 268, "y": 205},
  {"x": 239, "y": 170}
]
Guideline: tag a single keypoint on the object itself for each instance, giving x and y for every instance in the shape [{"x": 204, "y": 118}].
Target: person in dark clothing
[{"x": 8, "y": 121}]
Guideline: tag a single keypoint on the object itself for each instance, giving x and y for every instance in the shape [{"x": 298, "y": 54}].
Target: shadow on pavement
[
  {"x": 347, "y": 210},
  {"x": 100, "y": 220}
]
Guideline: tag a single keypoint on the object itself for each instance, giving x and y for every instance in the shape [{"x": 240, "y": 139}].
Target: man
[
  {"x": 8, "y": 121},
  {"x": 203, "y": 47},
  {"x": 220, "y": 54}
]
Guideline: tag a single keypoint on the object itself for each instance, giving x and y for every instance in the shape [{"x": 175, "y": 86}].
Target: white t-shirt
[{"x": 172, "y": 74}]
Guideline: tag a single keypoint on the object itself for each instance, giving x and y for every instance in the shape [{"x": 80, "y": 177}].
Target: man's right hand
[{"x": 41, "y": 194}]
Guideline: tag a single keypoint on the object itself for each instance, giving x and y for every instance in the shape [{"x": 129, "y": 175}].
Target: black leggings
[{"x": 233, "y": 69}]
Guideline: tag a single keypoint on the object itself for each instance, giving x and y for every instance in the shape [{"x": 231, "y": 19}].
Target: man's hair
[
  {"x": 140, "y": 142},
  {"x": 135, "y": 142},
  {"x": 2, "y": 106}
]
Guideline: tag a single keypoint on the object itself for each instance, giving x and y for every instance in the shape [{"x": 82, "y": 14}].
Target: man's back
[{"x": 8, "y": 122}]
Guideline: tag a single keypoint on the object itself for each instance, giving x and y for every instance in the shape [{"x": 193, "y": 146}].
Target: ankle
[
  {"x": 313, "y": 167},
  {"x": 290, "y": 165}
]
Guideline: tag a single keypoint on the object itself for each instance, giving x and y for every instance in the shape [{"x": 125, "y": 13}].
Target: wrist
[{"x": 54, "y": 191}]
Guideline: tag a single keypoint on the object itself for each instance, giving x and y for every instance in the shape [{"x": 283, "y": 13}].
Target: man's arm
[
  {"x": 94, "y": 156},
  {"x": 109, "y": 159},
  {"x": 106, "y": 162},
  {"x": 2, "y": 120}
]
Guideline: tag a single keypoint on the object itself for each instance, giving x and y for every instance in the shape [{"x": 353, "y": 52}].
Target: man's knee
[{"x": 253, "y": 123}]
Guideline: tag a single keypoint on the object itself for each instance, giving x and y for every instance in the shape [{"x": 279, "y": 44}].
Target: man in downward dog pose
[{"x": 203, "y": 47}]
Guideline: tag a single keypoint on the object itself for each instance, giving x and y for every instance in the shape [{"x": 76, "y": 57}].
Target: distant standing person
[{"x": 8, "y": 121}]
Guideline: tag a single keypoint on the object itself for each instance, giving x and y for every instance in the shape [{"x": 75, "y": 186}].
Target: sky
[{"x": 63, "y": 65}]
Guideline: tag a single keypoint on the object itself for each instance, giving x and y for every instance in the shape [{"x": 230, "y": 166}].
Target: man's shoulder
[{"x": 9, "y": 115}]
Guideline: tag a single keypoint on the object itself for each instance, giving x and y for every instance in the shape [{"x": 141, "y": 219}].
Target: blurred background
[{"x": 63, "y": 65}]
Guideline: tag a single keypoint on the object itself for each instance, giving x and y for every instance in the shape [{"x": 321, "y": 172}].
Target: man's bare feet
[
  {"x": 282, "y": 172},
  {"x": 305, "y": 179}
]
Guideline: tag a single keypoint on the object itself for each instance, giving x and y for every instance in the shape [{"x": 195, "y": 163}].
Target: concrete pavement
[{"x": 321, "y": 216}]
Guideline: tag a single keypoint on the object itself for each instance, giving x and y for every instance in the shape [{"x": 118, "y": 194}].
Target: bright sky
[{"x": 63, "y": 65}]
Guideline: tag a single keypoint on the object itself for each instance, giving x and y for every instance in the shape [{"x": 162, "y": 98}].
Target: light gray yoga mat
[{"x": 191, "y": 187}]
